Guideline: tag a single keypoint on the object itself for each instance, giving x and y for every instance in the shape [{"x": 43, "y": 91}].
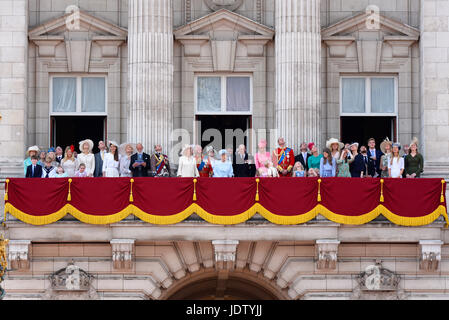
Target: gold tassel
[
  {"x": 194, "y": 189},
  {"x": 319, "y": 192},
  {"x": 442, "y": 191},
  {"x": 257, "y": 192},
  {"x": 382, "y": 190},
  {"x": 131, "y": 198},
  {"x": 6, "y": 190},
  {"x": 69, "y": 196}
]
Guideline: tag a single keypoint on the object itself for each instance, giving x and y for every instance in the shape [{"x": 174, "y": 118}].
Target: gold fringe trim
[{"x": 227, "y": 220}]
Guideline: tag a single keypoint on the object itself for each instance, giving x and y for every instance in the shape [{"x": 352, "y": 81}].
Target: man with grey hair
[
  {"x": 241, "y": 163},
  {"x": 140, "y": 162},
  {"x": 160, "y": 166}
]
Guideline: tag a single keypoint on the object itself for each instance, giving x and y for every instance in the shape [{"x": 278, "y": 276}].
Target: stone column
[
  {"x": 298, "y": 57},
  {"x": 434, "y": 64},
  {"x": 150, "y": 61},
  {"x": 13, "y": 85}
]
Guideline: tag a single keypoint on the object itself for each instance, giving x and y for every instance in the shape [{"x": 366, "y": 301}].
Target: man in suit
[
  {"x": 374, "y": 156},
  {"x": 140, "y": 162},
  {"x": 34, "y": 170},
  {"x": 59, "y": 155},
  {"x": 240, "y": 163},
  {"x": 99, "y": 157},
  {"x": 302, "y": 156}
]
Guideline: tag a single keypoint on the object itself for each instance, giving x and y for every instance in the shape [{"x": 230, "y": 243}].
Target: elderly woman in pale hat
[
  {"x": 126, "y": 150},
  {"x": 223, "y": 167},
  {"x": 32, "y": 151},
  {"x": 187, "y": 164},
  {"x": 385, "y": 147},
  {"x": 87, "y": 157},
  {"x": 111, "y": 161},
  {"x": 413, "y": 161},
  {"x": 335, "y": 147}
]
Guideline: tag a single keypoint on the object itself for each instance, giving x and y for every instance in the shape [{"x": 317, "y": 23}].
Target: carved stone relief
[{"x": 230, "y": 5}]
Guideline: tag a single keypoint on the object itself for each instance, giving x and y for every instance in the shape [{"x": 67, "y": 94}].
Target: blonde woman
[
  {"x": 125, "y": 150},
  {"x": 396, "y": 163},
  {"x": 111, "y": 161},
  {"x": 187, "y": 164},
  {"x": 87, "y": 157},
  {"x": 68, "y": 163},
  {"x": 335, "y": 146}
]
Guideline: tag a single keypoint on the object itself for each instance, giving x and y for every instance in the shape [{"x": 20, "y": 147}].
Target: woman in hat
[
  {"x": 68, "y": 163},
  {"x": 111, "y": 161},
  {"x": 87, "y": 157},
  {"x": 413, "y": 161},
  {"x": 126, "y": 150},
  {"x": 187, "y": 164},
  {"x": 262, "y": 156},
  {"x": 223, "y": 167},
  {"x": 385, "y": 147},
  {"x": 396, "y": 163},
  {"x": 313, "y": 161},
  {"x": 334, "y": 146},
  {"x": 32, "y": 151},
  {"x": 343, "y": 164}
]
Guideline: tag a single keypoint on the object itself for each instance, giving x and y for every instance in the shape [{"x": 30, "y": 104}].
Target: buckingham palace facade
[{"x": 170, "y": 71}]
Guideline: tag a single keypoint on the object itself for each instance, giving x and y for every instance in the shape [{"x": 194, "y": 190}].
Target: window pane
[
  {"x": 382, "y": 95},
  {"x": 353, "y": 95},
  {"x": 93, "y": 96},
  {"x": 209, "y": 94},
  {"x": 64, "y": 94},
  {"x": 238, "y": 94}
]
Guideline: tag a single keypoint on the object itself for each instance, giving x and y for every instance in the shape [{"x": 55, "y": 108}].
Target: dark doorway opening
[
  {"x": 360, "y": 129},
  {"x": 222, "y": 131},
  {"x": 68, "y": 130}
]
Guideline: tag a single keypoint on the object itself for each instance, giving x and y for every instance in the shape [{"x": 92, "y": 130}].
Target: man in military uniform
[
  {"x": 160, "y": 167},
  {"x": 285, "y": 158}
]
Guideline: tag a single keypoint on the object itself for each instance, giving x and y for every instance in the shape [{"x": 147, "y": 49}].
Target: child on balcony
[
  {"x": 81, "y": 173},
  {"x": 60, "y": 172},
  {"x": 298, "y": 170}
]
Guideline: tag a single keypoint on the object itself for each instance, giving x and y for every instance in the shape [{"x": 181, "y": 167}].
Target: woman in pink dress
[{"x": 262, "y": 157}]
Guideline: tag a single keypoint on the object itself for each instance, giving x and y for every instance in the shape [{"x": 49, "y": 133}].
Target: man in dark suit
[
  {"x": 34, "y": 170},
  {"x": 240, "y": 163},
  {"x": 302, "y": 156},
  {"x": 99, "y": 157},
  {"x": 374, "y": 157},
  {"x": 140, "y": 162},
  {"x": 59, "y": 155}
]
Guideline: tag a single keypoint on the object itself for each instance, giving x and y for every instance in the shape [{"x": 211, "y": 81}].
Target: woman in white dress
[
  {"x": 111, "y": 161},
  {"x": 187, "y": 164},
  {"x": 126, "y": 150},
  {"x": 87, "y": 157},
  {"x": 68, "y": 163},
  {"x": 396, "y": 163}
]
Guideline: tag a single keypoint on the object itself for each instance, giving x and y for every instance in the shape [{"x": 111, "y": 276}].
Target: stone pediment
[
  {"x": 224, "y": 25},
  {"x": 370, "y": 22},
  {"x": 78, "y": 22}
]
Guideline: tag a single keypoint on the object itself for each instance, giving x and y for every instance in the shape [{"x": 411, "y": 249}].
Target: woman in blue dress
[{"x": 328, "y": 165}]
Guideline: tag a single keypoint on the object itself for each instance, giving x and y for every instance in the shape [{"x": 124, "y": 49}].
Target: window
[
  {"x": 368, "y": 95},
  {"x": 78, "y": 94},
  {"x": 223, "y": 94}
]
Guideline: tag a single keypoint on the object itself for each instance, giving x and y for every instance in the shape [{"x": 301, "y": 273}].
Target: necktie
[{"x": 32, "y": 171}]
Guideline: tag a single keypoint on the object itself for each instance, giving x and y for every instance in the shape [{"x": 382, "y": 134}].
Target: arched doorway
[{"x": 216, "y": 285}]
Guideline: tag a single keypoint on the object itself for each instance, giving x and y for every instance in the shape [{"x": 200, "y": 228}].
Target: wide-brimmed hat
[
  {"x": 89, "y": 142},
  {"x": 33, "y": 148},
  {"x": 384, "y": 144},
  {"x": 414, "y": 141},
  {"x": 112, "y": 142},
  {"x": 332, "y": 141},
  {"x": 354, "y": 143},
  {"x": 122, "y": 147}
]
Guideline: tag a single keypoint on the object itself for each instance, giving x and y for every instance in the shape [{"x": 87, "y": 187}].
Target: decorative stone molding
[
  {"x": 223, "y": 54},
  {"x": 70, "y": 283},
  {"x": 225, "y": 253},
  {"x": 338, "y": 45},
  {"x": 19, "y": 254},
  {"x": 327, "y": 252},
  {"x": 122, "y": 253},
  {"x": 430, "y": 254},
  {"x": 377, "y": 278},
  {"x": 230, "y": 5}
]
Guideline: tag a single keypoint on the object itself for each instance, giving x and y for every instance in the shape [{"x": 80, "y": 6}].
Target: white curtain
[
  {"x": 93, "y": 95},
  {"x": 64, "y": 94},
  {"x": 382, "y": 95},
  {"x": 353, "y": 95},
  {"x": 238, "y": 94},
  {"x": 209, "y": 94}
]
